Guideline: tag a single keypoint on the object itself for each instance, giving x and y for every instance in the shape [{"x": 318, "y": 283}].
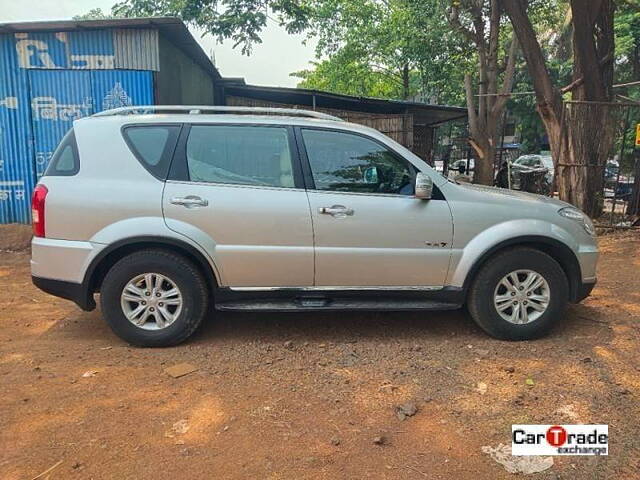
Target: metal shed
[
  {"x": 52, "y": 73},
  {"x": 411, "y": 124}
]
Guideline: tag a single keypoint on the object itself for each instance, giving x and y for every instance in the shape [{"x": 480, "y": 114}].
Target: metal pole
[
  {"x": 504, "y": 126},
  {"x": 615, "y": 187}
]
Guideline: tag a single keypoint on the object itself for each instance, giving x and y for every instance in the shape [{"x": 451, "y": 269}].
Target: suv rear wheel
[
  {"x": 154, "y": 298},
  {"x": 518, "y": 294}
]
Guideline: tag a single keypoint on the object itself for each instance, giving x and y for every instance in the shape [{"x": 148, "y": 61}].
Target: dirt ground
[{"x": 282, "y": 396}]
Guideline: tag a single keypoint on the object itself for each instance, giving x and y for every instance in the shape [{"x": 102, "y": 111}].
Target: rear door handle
[
  {"x": 190, "y": 201},
  {"x": 338, "y": 211}
]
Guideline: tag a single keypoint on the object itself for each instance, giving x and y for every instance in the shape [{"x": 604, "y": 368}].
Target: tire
[
  {"x": 487, "y": 287},
  {"x": 182, "y": 313}
]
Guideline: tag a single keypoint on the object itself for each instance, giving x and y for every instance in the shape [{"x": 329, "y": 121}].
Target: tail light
[{"x": 37, "y": 209}]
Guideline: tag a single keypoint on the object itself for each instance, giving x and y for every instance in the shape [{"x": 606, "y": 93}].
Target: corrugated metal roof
[
  {"x": 136, "y": 49},
  {"x": 173, "y": 28},
  {"x": 424, "y": 113}
]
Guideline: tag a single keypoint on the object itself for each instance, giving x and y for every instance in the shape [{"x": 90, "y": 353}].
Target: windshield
[
  {"x": 547, "y": 161},
  {"x": 528, "y": 160}
]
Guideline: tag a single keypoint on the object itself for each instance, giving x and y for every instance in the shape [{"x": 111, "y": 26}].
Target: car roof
[{"x": 224, "y": 118}]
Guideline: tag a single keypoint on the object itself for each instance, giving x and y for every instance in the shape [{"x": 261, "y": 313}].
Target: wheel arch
[
  {"x": 557, "y": 250},
  {"x": 109, "y": 256}
]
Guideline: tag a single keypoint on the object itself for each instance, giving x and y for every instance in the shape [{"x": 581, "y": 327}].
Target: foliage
[
  {"x": 627, "y": 31},
  {"x": 344, "y": 74},
  {"x": 239, "y": 20},
  {"x": 93, "y": 14},
  {"x": 402, "y": 48}
]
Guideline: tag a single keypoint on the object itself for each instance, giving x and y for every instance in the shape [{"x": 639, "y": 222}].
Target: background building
[
  {"x": 52, "y": 73},
  {"x": 412, "y": 124}
]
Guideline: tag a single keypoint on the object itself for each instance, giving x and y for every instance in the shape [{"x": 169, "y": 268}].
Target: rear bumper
[
  {"x": 75, "y": 292},
  {"x": 583, "y": 291}
]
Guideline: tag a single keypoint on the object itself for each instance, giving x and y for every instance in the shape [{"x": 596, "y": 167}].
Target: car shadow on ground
[{"x": 346, "y": 327}]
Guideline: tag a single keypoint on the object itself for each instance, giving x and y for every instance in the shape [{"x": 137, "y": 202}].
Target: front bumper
[
  {"x": 583, "y": 290},
  {"x": 76, "y": 292}
]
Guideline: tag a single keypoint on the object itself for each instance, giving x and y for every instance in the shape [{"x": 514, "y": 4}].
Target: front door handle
[
  {"x": 338, "y": 211},
  {"x": 190, "y": 201}
]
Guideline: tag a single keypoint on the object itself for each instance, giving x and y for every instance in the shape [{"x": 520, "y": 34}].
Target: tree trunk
[
  {"x": 405, "y": 82},
  {"x": 483, "y": 155},
  {"x": 589, "y": 134},
  {"x": 580, "y": 154}
]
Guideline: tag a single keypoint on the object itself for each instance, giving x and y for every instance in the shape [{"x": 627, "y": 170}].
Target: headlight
[{"x": 578, "y": 216}]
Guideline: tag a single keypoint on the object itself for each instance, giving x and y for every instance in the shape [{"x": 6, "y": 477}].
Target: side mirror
[
  {"x": 462, "y": 169},
  {"x": 424, "y": 186},
  {"x": 370, "y": 175}
]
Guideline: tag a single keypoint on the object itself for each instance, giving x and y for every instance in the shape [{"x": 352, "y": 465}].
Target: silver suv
[{"x": 167, "y": 211}]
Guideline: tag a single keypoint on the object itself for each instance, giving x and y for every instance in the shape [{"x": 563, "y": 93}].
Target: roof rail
[{"x": 203, "y": 109}]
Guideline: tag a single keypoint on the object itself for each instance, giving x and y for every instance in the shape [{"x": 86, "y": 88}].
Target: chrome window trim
[
  {"x": 235, "y": 185},
  {"x": 365, "y": 194}
]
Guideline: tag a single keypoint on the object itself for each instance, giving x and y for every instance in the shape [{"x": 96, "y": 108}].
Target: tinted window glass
[
  {"x": 351, "y": 163},
  {"x": 64, "y": 161},
  {"x": 149, "y": 142},
  {"x": 153, "y": 146},
  {"x": 242, "y": 155}
]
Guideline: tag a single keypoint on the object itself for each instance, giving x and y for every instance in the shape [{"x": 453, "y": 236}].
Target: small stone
[
  {"x": 335, "y": 441},
  {"x": 587, "y": 360},
  {"x": 481, "y": 388},
  {"x": 180, "y": 370},
  {"x": 288, "y": 345},
  {"x": 406, "y": 410},
  {"x": 379, "y": 440},
  {"x": 482, "y": 352},
  {"x": 509, "y": 369}
]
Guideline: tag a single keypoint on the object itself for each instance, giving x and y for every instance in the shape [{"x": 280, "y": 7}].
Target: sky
[{"x": 269, "y": 64}]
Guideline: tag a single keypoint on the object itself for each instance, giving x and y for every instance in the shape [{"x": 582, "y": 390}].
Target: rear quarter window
[
  {"x": 65, "y": 161},
  {"x": 153, "y": 146}
]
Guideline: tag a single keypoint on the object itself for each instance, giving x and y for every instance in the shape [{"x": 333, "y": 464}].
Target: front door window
[{"x": 344, "y": 162}]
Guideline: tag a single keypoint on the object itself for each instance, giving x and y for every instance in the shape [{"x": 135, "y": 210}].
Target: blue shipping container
[
  {"x": 17, "y": 173},
  {"x": 50, "y": 79}
]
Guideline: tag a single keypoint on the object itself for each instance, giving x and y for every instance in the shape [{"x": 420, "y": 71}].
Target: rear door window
[
  {"x": 240, "y": 155},
  {"x": 153, "y": 146}
]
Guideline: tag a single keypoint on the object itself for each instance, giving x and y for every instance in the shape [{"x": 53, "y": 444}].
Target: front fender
[{"x": 466, "y": 254}]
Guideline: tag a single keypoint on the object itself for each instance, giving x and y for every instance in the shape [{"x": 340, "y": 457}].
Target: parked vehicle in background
[
  {"x": 618, "y": 185},
  {"x": 530, "y": 173},
  {"x": 167, "y": 211},
  {"x": 462, "y": 170}
]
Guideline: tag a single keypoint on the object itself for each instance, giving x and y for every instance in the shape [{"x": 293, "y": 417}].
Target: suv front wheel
[
  {"x": 154, "y": 298},
  {"x": 518, "y": 294}
]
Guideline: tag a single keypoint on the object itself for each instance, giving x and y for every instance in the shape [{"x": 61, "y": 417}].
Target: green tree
[
  {"x": 93, "y": 14},
  {"x": 571, "y": 136},
  {"x": 342, "y": 73}
]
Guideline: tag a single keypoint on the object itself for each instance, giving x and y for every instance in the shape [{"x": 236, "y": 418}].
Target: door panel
[
  {"x": 263, "y": 237},
  {"x": 369, "y": 228},
  {"x": 241, "y": 192},
  {"x": 383, "y": 241}
]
